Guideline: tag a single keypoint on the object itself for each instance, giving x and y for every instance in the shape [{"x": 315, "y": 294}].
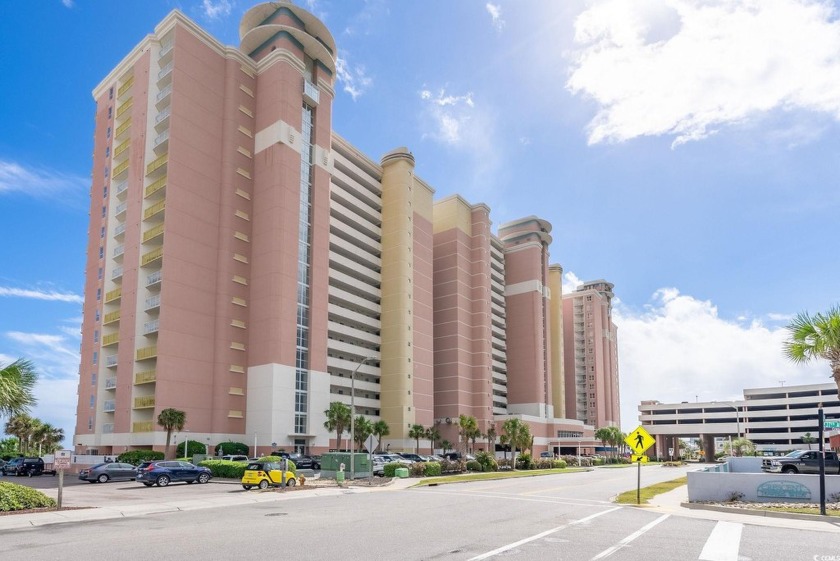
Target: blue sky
[{"x": 685, "y": 150}]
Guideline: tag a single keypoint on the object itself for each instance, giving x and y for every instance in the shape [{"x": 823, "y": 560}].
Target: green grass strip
[
  {"x": 491, "y": 475},
  {"x": 647, "y": 493}
]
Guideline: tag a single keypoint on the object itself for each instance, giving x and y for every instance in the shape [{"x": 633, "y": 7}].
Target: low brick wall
[{"x": 759, "y": 487}]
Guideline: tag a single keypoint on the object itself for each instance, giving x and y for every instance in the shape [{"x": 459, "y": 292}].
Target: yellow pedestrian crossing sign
[
  {"x": 639, "y": 440},
  {"x": 634, "y": 458}
]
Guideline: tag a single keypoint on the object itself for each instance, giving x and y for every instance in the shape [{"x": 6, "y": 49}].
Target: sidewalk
[
  {"x": 676, "y": 502},
  {"x": 78, "y": 513}
]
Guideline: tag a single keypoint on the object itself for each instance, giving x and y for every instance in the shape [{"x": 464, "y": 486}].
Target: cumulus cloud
[
  {"x": 495, "y": 12},
  {"x": 68, "y": 3},
  {"x": 41, "y": 295},
  {"x": 570, "y": 282},
  {"x": 687, "y": 68},
  {"x": 354, "y": 78},
  {"x": 450, "y": 115},
  {"x": 679, "y": 349},
  {"x": 38, "y": 182},
  {"x": 217, "y": 9}
]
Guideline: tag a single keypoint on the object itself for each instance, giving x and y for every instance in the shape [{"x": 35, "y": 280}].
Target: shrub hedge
[
  {"x": 473, "y": 465},
  {"x": 390, "y": 468},
  {"x": 20, "y": 497},
  {"x": 487, "y": 461},
  {"x": 232, "y": 448},
  {"x": 137, "y": 457},
  {"x": 432, "y": 469}
]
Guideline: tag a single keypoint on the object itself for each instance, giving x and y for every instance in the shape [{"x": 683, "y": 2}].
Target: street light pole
[{"x": 353, "y": 416}]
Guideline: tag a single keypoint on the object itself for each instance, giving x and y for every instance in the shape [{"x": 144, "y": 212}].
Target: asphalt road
[{"x": 559, "y": 517}]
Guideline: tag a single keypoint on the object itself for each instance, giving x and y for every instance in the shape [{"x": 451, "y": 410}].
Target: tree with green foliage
[
  {"x": 432, "y": 435},
  {"x": 518, "y": 436},
  {"x": 47, "y": 438},
  {"x": 491, "y": 438},
  {"x": 816, "y": 337},
  {"x": 739, "y": 447},
  {"x": 808, "y": 439},
  {"x": 362, "y": 428},
  {"x": 604, "y": 435},
  {"x": 17, "y": 387},
  {"x": 8, "y": 447},
  {"x": 446, "y": 446},
  {"x": 467, "y": 426},
  {"x": 338, "y": 419},
  {"x": 417, "y": 432},
  {"x": 171, "y": 419},
  {"x": 21, "y": 426},
  {"x": 380, "y": 430}
]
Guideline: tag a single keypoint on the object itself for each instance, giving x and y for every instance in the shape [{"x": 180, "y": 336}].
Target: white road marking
[
  {"x": 520, "y": 497},
  {"x": 541, "y": 535},
  {"x": 723, "y": 542},
  {"x": 630, "y": 538}
]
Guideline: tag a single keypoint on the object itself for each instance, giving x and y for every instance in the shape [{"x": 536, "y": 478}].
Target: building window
[
  {"x": 101, "y": 252},
  {"x": 100, "y": 273},
  {"x": 109, "y": 132},
  {"x": 107, "y": 151},
  {"x": 93, "y": 379},
  {"x": 110, "y": 112},
  {"x": 90, "y": 422},
  {"x": 104, "y": 211},
  {"x": 106, "y": 171},
  {"x": 97, "y": 315},
  {"x": 111, "y": 93},
  {"x": 95, "y": 357},
  {"x": 102, "y": 231},
  {"x": 96, "y": 336},
  {"x": 98, "y": 294}
]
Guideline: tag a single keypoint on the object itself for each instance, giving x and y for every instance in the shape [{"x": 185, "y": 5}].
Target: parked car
[
  {"x": 412, "y": 457},
  {"x": 802, "y": 461},
  {"x": 393, "y": 458},
  {"x": 546, "y": 455},
  {"x": 378, "y": 466},
  {"x": 265, "y": 474},
  {"x": 24, "y": 466},
  {"x": 235, "y": 458},
  {"x": 307, "y": 462},
  {"x": 111, "y": 471},
  {"x": 162, "y": 473}
]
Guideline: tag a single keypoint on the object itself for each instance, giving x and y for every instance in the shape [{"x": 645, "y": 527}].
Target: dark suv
[
  {"x": 162, "y": 473},
  {"x": 24, "y": 466}
]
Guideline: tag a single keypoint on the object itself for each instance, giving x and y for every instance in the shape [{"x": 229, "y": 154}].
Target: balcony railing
[
  {"x": 147, "y": 352},
  {"x": 111, "y": 361},
  {"x": 119, "y": 250},
  {"x": 120, "y": 229},
  {"x": 153, "y": 233},
  {"x": 151, "y": 327},
  {"x": 163, "y": 115},
  {"x": 155, "y": 187},
  {"x": 164, "y": 71},
  {"x": 165, "y": 48},
  {"x": 111, "y": 339},
  {"x": 120, "y": 169},
  {"x": 111, "y": 317},
  {"x": 122, "y": 147},
  {"x": 121, "y": 187},
  {"x": 156, "y": 164},
  {"x": 112, "y": 295},
  {"x": 108, "y": 428},
  {"x": 151, "y": 257},
  {"x": 311, "y": 92},
  {"x": 144, "y": 402},
  {"x": 145, "y": 377},
  {"x": 125, "y": 107},
  {"x": 124, "y": 88},
  {"x": 154, "y": 209},
  {"x": 153, "y": 279},
  {"x": 117, "y": 273},
  {"x": 111, "y": 383},
  {"x": 164, "y": 92},
  {"x": 143, "y": 426},
  {"x": 121, "y": 208},
  {"x": 161, "y": 138},
  {"x": 152, "y": 302},
  {"x": 109, "y": 406}
]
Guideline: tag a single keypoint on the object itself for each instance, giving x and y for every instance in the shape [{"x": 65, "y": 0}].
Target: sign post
[
  {"x": 823, "y": 423},
  {"x": 61, "y": 463},
  {"x": 639, "y": 440},
  {"x": 369, "y": 445}
]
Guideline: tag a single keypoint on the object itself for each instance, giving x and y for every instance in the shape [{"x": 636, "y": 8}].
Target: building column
[{"x": 708, "y": 441}]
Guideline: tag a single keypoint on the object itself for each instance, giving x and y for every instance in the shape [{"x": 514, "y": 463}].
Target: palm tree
[
  {"x": 417, "y": 432},
  {"x": 171, "y": 419},
  {"x": 380, "y": 429},
  {"x": 808, "y": 439},
  {"x": 518, "y": 435},
  {"x": 363, "y": 429},
  {"x": 816, "y": 337},
  {"x": 468, "y": 425},
  {"x": 48, "y": 438},
  {"x": 433, "y": 435},
  {"x": 604, "y": 435},
  {"x": 446, "y": 445},
  {"x": 17, "y": 384},
  {"x": 474, "y": 433},
  {"x": 338, "y": 418},
  {"x": 21, "y": 426},
  {"x": 491, "y": 439}
]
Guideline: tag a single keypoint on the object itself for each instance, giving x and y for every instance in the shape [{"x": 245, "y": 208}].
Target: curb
[{"x": 763, "y": 513}]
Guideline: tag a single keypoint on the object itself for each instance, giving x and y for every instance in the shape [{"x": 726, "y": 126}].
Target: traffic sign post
[
  {"x": 639, "y": 440},
  {"x": 61, "y": 462},
  {"x": 831, "y": 425},
  {"x": 369, "y": 444}
]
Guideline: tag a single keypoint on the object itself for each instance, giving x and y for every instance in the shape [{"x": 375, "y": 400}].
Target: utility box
[
  {"x": 331, "y": 465},
  {"x": 401, "y": 472}
]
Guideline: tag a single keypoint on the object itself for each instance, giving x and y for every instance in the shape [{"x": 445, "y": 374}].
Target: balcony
[
  {"x": 111, "y": 339},
  {"x": 108, "y": 428},
  {"x": 125, "y": 87},
  {"x": 164, "y": 93},
  {"x": 162, "y": 116},
  {"x": 120, "y": 169},
  {"x": 155, "y": 187},
  {"x": 151, "y": 257},
  {"x": 152, "y": 303},
  {"x": 146, "y": 353},
  {"x": 119, "y": 230},
  {"x": 310, "y": 93},
  {"x": 164, "y": 72},
  {"x": 111, "y": 383},
  {"x": 145, "y": 377},
  {"x": 144, "y": 402},
  {"x": 122, "y": 129},
  {"x": 121, "y": 187},
  {"x": 155, "y": 210},
  {"x": 151, "y": 327},
  {"x": 166, "y": 48},
  {"x": 121, "y": 110},
  {"x": 155, "y": 232},
  {"x": 153, "y": 279},
  {"x": 155, "y": 164},
  {"x": 120, "y": 210},
  {"x": 122, "y": 147},
  {"x": 111, "y": 361},
  {"x": 111, "y": 317},
  {"x": 119, "y": 251},
  {"x": 161, "y": 141},
  {"x": 109, "y": 406},
  {"x": 117, "y": 273},
  {"x": 113, "y": 295},
  {"x": 144, "y": 426}
]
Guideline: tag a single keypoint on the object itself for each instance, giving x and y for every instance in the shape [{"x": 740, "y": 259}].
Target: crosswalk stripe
[
  {"x": 630, "y": 538},
  {"x": 723, "y": 542}
]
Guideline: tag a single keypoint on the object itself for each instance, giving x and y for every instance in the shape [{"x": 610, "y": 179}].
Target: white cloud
[
  {"x": 495, "y": 12},
  {"x": 686, "y": 68},
  {"x": 38, "y": 182},
  {"x": 41, "y": 295},
  {"x": 68, "y": 3},
  {"x": 679, "y": 349},
  {"x": 217, "y": 9},
  {"x": 353, "y": 77},
  {"x": 451, "y": 116},
  {"x": 570, "y": 282}
]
